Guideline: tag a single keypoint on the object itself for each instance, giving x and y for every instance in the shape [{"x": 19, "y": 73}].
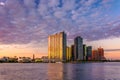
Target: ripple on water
[{"x": 87, "y": 71}]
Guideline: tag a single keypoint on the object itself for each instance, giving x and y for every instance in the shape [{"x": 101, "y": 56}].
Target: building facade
[
  {"x": 89, "y": 53},
  {"x": 101, "y": 53},
  {"x": 68, "y": 54},
  {"x": 95, "y": 55},
  {"x": 78, "y": 48},
  {"x": 57, "y": 47},
  {"x": 98, "y": 54},
  {"x": 84, "y": 52},
  {"x": 72, "y": 52}
]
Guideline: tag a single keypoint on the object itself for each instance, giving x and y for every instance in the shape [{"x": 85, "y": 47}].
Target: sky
[{"x": 26, "y": 24}]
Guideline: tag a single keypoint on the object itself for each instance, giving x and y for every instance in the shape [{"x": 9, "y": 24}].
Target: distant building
[
  {"x": 24, "y": 59},
  {"x": 45, "y": 59},
  {"x": 84, "y": 52},
  {"x": 4, "y": 59},
  {"x": 89, "y": 53},
  {"x": 72, "y": 53},
  {"x": 95, "y": 55},
  {"x": 98, "y": 54},
  {"x": 68, "y": 53},
  {"x": 33, "y": 58},
  {"x": 57, "y": 47},
  {"x": 101, "y": 53},
  {"x": 78, "y": 47}
]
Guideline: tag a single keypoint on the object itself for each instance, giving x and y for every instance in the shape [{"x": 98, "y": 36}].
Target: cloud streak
[
  {"x": 109, "y": 50},
  {"x": 25, "y": 21}
]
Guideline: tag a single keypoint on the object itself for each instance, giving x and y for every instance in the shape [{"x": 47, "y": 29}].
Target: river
[{"x": 60, "y": 71}]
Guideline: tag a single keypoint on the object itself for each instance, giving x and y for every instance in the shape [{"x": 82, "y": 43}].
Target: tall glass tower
[
  {"x": 89, "y": 52},
  {"x": 78, "y": 48},
  {"x": 57, "y": 47}
]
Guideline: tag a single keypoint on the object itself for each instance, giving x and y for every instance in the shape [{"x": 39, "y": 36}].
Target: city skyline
[
  {"x": 59, "y": 51},
  {"x": 26, "y": 24}
]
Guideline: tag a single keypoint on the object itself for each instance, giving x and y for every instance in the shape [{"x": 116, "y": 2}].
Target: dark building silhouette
[
  {"x": 89, "y": 53},
  {"x": 33, "y": 58},
  {"x": 84, "y": 52},
  {"x": 72, "y": 53},
  {"x": 78, "y": 48}
]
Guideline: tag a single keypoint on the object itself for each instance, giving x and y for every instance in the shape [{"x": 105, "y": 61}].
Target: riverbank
[{"x": 69, "y": 61}]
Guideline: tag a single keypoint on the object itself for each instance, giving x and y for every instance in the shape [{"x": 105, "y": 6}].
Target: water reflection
[
  {"x": 69, "y": 72},
  {"x": 87, "y": 71},
  {"x": 57, "y": 71}
]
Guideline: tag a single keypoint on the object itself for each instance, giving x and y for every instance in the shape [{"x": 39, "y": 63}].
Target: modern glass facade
[
  {"x": 84, "y": 52},
  {"x": 78, "y": 47},
  {"x": 89, "y": 53},
  {"x": 68, "y": 54},
  {"x": 72, "y": 52},
  {"x": 57, "y": 47}
]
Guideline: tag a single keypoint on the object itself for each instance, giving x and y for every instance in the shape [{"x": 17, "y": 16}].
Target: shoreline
[{"x": 65, "y": 62}]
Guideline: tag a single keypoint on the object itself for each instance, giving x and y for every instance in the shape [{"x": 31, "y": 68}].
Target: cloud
[
  {"x": 109, "y": 50},
  {"x": 89, "y": 2},
  {"x": 26, "y": 21},
  {"x": 2, "y": 4}
]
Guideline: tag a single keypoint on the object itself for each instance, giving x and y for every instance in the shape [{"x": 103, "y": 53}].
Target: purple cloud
[{"x": 24, "y": 21}]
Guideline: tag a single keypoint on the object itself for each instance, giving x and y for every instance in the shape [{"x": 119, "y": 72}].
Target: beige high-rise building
[{"x": 57, "y": 47}]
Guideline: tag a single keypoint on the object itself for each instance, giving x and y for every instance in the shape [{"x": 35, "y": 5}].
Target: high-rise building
[
  {"x": 72, "y": 53},
  {"x": 57, "y": 47},
  {"x": 101, "y": 53},
  {"x": 95, "y": 55},
  {"x": 78, "y": 47},
  {"x": 89, "y": 52},
  {"x": 84, "y": 52},
  {"x": 98, "y": 54},
  {"x": 68, "y": 53}
]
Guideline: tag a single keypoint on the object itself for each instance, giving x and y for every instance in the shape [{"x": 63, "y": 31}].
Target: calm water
[{"x": 57, "y": 71}]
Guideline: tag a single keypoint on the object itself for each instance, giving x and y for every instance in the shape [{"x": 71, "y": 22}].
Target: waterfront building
[
  {"x": 95, "y": 55},
  {"x": 24, "y": 60},
  {"x": 45, "y": 59},
  {"x": 72, "y": 52},
  {"x": 84, "y": 52},
  {"x": 89, "y": 53},
  {"x": 57, "y": 47},
  {"x": 78, "y": 48},
  {"x": 101, "y": 53},
  {"x": 68, "y": 53},
  {"x": 98, "y": 54}
]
